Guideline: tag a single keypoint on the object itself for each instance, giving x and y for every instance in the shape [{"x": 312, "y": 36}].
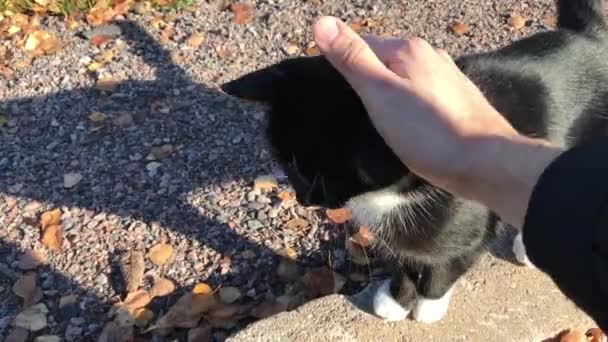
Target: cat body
[{"x": 551, "y": 85}]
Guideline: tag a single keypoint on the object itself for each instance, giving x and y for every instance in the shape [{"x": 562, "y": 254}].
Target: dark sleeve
[{"x": 566, "y": 227}]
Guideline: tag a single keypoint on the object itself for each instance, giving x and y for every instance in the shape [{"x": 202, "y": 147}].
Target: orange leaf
[
  {"x": 285, "y": 195},
  {"x": 516, "y": 21},
  {"x": 242, "y": 13},
  {"x": 363, "y": 237},
  {"x": 50, "y": 218},
  {"x": 338, "y": 216},
  {"x": 459, "y": 28},
  {"x": 98, "y": 40},
  {"x": 297, "y": 224},
  {"x": 312, "y": 51},
  {"x": 160, "y": 253},
  {"x": 52, "y": 237}
]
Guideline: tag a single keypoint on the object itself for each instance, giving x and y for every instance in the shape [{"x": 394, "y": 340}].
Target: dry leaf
[
  {"x": 161, "y": 287},
  {"x": 268, "y": 308},
  {"x": 290, "y": 253},
  {"x": 161, "y": 152},
  {"x": 356, "y": 26},
  {"x": 292, "y": 49},
  {"x": 242, "y": 13},
  {"x": 516, "y": 21},
  {"x": 338, "y": 216},
  {"x": 160, "y": 254},
  {"x": 188, "y": 309},
  {"x": 285, "y": 195},
  {"x": 225, "y": 311},
  {"x": 71, "y": 179},
  {"x": 31, "y": 259},
  {"x": 103, "y": 58},
  {"x": 52, "y": 237},
  {"x": 97, "y": 117},
  {"x": 229, "y": 294},
  {"x": 33, "y": 318},
  {"x": 25, "y": 288},
  {"x": 312, "y": 51},
  {"x": 195, "y": 40},
  {"x": 98, "y": 40},
  {"x": 135, "y": 300},
  {"x": 17, "y": 334},
  {"x": 202, "y": 333},
  {"x": 319, "y": 281},
  {"x": 363, "y": 237},
  {"x": 50, "y": 218},
  {"x": 224, "y": 51},
  {"x": 296, "y": 224},
  {"x": 134, "y": 272},
  {"x": 266, "y": 182},
  {"x": 459, "y": 28},
  {"x": 143, "y": 316},
  {"x": 94, "y": 66},
  {"x": 106, "y": 10},
  {"x": 107, "y": 84}
]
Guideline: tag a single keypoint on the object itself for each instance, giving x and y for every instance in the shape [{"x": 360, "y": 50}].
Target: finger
[{"x": 349, "y": 53}]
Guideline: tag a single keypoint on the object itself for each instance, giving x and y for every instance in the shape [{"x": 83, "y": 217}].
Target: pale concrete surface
[{"x": 496, "y": 301}]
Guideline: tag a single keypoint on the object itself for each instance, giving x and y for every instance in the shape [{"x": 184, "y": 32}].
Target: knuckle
[{"x": 353, "y": 51}]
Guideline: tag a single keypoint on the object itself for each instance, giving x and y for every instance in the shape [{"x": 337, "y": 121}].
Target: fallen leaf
[
  {"x": 356, "y": 26},
  {"x": 33, "y": 318},
  {"x": 242, "y": 13},
  {"x": 135, "y": 300},
  {"x": 285, "y": 195},
  {"x": 319, "y": 281},
  {"x": 17, "y": 334},
  {"x": 134, "y": 271},
  {"x": 98, "y": 40},
  {"x": 516, "y": 21},
  {"x": 188, "y": 309},
  {"x": 338, "y": 216},
  {"x": 112, "y": 332},
  {"x": 94, "y": 66},
  {"x": 48, "y": 338},
  {"x": 363, "y": 237},
  {"x": 288, "y": 270},
  {"x": 67, "y": 300},
  {"x": 143, "y": 316},
  {"x": 312, "y": 51},
  {"x": 104, "y": 11},
  {"x": 25, "y": 288},
  {"x": 97, "y": 117},
  {"x": 290, "y": 253},
  {"x": 202, "y": 333},
  {"x": 50, "y": 218},
  {"x": 292, "y": 49},
  {"x": 195, "y": 40},
  {"x": 459, "y": 28},
  {"x": 160, "y": 254},
  {"x": 225, "y": 51},
  {"x": 549, "y": 21},
  {"x": 268, "y": 308},
  {"x": 161, "y": 287},
  {"x": 229, "y": 294},
  {"x": 142, "y": 7},
  {"x": 103, "y": 58},
  {"x": 71, "y": 179},
  {"x": 52, "y": 237},
  {"x": 31, "y": 259},
  {"x": 23, "y": 63},
  {"x": 296, "y": 224},
  {"x": 266, "y": 182},
  {"x": 107, "y": 84},
  {"x": 224, "y": 311},
  {"x": 161, "y": 152}
]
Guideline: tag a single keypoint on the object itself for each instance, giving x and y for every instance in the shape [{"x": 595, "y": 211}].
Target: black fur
[{"x": 552, "y": 85}]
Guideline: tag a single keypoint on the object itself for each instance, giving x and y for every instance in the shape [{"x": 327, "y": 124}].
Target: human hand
[{"x": 435, "y": 119}]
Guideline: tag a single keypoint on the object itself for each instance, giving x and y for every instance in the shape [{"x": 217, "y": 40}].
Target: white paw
[
  {"x": 520, "y": 251},
  {"x": 385, "y": 306},
  {"x": 431, "y": 310}
]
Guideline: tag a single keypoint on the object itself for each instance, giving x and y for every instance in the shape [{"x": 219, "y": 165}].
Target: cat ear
[{"x": 260, "y": 85}]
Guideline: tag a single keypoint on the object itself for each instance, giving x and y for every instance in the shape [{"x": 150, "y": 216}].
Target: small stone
[
  {"x": 262, "y": 216},
  {"x": 265, "y": 182},
  {"x": 254, "y": 224},
  {"x": 251, "y": 195},
  {"x": 292, "y": 49},
  {"x": 71, "y": 179},
  {"x": 15, "y": 188},
  {"x": 124, "y": 120},
  {"x": 248, "y": 254},
  {"x": 32, "y": 207},
  {"x": 72, "y": 333},
  {"x": 273, "y": 213},
  {"x": 256, "y": 205},
  {"x": 142, "y": 7},
  {"x": 33, "y": 318},
  {"x": 48, "y": 338},
  {"x": 18, "y": 334},
  {"x": 77, "y": 320},
  {"x": 229, "y": 294},
  {"x": 152, "y": 167}
]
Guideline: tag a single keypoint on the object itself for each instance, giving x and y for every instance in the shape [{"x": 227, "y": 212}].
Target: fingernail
[{"x": 326, "y": 30}]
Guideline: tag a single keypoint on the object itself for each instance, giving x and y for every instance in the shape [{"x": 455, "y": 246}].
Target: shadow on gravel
[{"x": 214, "y": 152}]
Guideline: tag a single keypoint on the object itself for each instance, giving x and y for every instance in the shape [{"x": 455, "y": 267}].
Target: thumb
[{"x": 349, "y": 54}]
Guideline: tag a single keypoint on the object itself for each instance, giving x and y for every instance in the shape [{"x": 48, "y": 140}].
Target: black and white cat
[{"x": 552, "y": 85}]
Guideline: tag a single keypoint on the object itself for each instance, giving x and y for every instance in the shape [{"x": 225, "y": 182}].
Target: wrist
[{"x": 504, "y": 171}]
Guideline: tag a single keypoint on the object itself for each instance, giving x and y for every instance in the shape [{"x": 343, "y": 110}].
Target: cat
[{"x": 551, "y": 85}]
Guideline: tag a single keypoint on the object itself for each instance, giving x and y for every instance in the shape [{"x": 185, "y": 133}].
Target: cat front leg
[
  {"x": 519, "y": 249},
  {"x": 390, "y": 299}
]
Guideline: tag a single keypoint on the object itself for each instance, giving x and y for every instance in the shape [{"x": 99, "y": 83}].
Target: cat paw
[
  {"x": 520, "y": 251},
  {"x": 376, "y": 299},
  {"x": 429, "y": 310}
]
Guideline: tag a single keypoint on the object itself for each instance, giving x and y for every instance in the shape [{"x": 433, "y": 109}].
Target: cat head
[{"x": 319, "y": 131}]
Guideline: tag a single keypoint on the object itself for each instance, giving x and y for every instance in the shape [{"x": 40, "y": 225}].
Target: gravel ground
[{"x": 199, "y": 198}]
